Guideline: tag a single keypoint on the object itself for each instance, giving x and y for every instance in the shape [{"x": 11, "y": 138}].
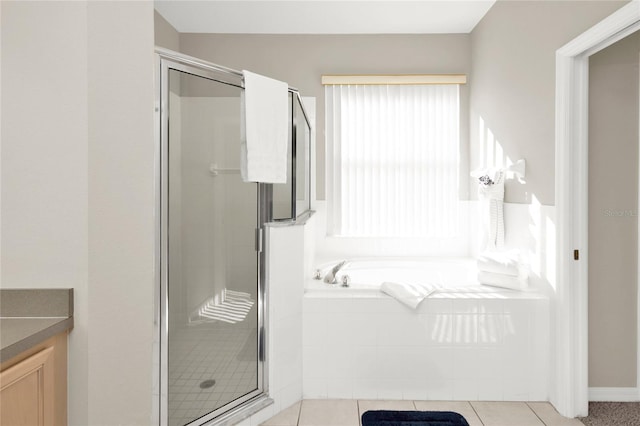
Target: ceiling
[{"x": 323, "y": 16}]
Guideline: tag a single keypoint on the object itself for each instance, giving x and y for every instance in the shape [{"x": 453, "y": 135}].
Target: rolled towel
[
  {"x": 409, "y": 294},
  {"x": 505, "y": 281},
  {"x": 499, "y": 263}
]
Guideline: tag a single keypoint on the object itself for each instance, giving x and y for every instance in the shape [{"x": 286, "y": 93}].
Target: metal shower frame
[{"x": 256, "y": 400}]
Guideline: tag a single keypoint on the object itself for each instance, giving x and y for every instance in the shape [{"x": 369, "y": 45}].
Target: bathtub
[
  {"x": 454, "y": 275},
  {"x": 466, "y": 342}
]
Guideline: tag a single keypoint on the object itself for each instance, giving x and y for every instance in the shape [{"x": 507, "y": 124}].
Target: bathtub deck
[{"x": 321, "y": 290}]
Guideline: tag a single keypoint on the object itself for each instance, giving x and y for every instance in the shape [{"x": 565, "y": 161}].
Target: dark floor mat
[{"x": 412, "y": 418}]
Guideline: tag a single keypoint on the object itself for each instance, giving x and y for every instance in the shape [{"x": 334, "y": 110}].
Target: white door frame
[{"x": 569, "y": 393}]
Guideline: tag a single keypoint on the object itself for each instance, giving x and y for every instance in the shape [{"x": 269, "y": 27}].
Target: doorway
[
  {"x": 613, "y": 219},
  {"x": 570, "y": 391}
]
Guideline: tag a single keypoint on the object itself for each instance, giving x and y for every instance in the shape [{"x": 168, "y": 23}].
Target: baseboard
[{"x": 614, "y": 394}]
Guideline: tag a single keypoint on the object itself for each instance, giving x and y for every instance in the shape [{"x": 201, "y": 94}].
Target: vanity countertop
[{"x": 31, "y": 316}]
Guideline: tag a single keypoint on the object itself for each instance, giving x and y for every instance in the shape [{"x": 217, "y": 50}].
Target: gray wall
[
  {"x": 613, "y": 209},
  {"x": 301, "y": 60},
  {"x": 509, "y": 57},
  {"x": 165, "y": 35},
  {"x": 513, "y": 91},
  {"x": 77, "y": 188},
  {"x": 513, "y": 83}
]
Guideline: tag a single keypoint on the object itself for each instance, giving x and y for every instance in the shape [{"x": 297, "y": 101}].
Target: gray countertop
[
  {"x": 21, "y": 334},
  {"x": 31, "y": 316}
]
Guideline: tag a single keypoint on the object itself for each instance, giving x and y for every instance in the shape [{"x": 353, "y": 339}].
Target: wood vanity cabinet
[{"x": 33, "y": 386}]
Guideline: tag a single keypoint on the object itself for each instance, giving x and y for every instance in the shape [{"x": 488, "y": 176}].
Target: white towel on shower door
[
  {"x": 264, "y": 129},
  {"x": 409, "y": 294}
]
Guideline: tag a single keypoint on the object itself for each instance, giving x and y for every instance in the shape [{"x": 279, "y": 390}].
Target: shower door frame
[{"x": 253, "y": 401}]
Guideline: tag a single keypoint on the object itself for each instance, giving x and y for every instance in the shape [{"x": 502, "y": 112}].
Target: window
[{"x": 393, "y": 160}]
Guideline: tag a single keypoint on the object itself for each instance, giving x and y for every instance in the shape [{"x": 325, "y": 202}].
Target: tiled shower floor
[{"x": 216, "y": 351}]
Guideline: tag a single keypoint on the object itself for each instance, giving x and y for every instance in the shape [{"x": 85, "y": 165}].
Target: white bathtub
[
  {"x": 454, "y": 275},
  {"x": 467, "y": 342}
]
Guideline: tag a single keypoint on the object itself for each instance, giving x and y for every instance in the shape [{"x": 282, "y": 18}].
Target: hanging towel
[
  {"x": 409, "y": 294},
  {"x": 498, "y": 207},
  {"x": 491, "y": 189},
  {"x": 505, "y": 281},
  {"x": 499, "y": 263},
  {"x": 264, "y": 129}
]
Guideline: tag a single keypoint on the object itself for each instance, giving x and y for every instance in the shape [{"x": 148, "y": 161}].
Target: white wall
[
  {"x": 331, "y": 248},
  {"x": 121, "y": 205},
  {"x": 44, "y": 143},
  {"x": 285, "y": 277},
  {"x": 286, "y": 263},
  {"x": 77, "y": 188},
  {"x": 44, "y": 163}
]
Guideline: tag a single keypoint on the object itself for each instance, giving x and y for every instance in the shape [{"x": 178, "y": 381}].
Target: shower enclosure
[{"x": 212, "y": 293}]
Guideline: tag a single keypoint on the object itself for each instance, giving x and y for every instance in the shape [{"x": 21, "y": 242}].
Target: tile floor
[
  {"x": 347, "y": 412},
  {"x": 216, "y": 351}
]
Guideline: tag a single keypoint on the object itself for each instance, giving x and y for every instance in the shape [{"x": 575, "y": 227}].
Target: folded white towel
[
  {"x": 505, "y": 281},
  {"x": 499, "y": 263},
  {"x": 409, "y": 294},
  {"x": 264, "y": 129}
]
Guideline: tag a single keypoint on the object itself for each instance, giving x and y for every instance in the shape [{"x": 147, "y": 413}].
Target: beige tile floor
[{"x": 347, "y": 412}]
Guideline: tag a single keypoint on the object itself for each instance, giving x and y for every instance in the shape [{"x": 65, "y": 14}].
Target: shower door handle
[
  {"x": 262, "y": 346},
  {"x": 259, "y": 240}
]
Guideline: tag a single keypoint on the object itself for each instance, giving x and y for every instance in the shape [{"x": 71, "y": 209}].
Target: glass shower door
[{"x": 211, "y": 283}]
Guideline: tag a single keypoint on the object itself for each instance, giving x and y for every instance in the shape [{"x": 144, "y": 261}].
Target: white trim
[
  {"x": 638, "y": 266},
  {"x": 570, "y": 390},
  {"x": 310, "y": 105},
  {"x": 614, "y": 394},
  {"x": 394, "y": 79}
]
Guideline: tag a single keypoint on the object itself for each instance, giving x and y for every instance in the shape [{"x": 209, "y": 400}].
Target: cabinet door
[{"x": 26, "y": 391}]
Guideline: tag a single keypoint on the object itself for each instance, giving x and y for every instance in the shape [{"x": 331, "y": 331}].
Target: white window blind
[{"x": 393, "y": 158}]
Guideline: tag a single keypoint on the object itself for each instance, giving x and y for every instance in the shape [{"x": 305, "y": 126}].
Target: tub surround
[
  {"x": 469, "y": 342},
  {"x": 29, "y": 317},
  {"x": 455, "y": 346}
]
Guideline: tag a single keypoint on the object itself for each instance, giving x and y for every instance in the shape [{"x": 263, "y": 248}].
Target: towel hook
[{"x": 518, "y": 169}]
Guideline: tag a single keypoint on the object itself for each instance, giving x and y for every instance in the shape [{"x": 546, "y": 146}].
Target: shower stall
[{"x": 212, "y": 290}]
